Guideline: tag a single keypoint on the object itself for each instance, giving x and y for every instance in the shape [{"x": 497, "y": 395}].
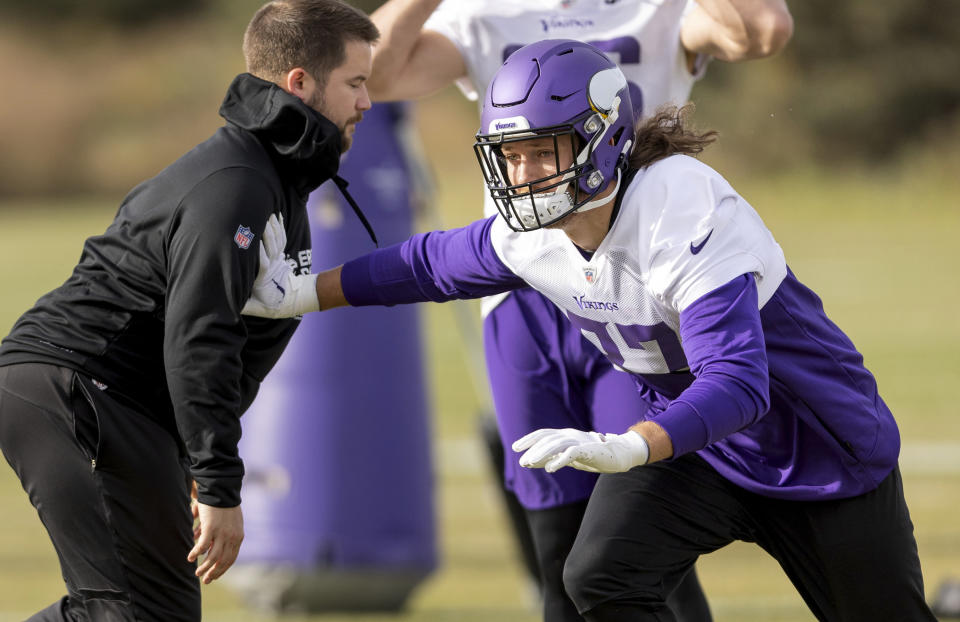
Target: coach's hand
[
  {"x": 588, "y": 451},
  {"x": 277, "y": 291},
  {"x": 221, "y": 532}
]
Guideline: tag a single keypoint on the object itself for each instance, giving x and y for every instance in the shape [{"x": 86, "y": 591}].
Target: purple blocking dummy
[{"x": 337, "y": 497}]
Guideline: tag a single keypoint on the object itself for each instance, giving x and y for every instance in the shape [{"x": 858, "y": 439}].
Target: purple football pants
[{"x": 545, "y": 374}]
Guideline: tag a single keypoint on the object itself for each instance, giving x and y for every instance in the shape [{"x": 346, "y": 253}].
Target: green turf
[{"x": 879, "y": 249}]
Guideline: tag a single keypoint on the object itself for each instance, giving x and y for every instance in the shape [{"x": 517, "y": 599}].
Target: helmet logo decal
[
  {"x": 508, "y": 124},
  {"x": 605, "y": 87}
]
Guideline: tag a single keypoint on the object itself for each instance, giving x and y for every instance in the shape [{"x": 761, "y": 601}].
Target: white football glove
[
  {"x": 278, "y": 292},
  {"x": 588, "y": 451}
]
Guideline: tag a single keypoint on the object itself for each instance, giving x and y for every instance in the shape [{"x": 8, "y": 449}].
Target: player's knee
[
  {"x": 90, "y": 605},
  {"x": 586, "y": 577},
  {"x": 117, "y": 606},
  {"x": 594, "y": 588}
]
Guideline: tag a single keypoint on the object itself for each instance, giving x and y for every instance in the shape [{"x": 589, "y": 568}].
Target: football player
[
  {"x": 542, "y": 371},
  {"x": 763, "y": 424}
]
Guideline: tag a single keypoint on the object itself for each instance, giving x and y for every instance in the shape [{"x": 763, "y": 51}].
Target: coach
[{"x": 124, "y": 385}]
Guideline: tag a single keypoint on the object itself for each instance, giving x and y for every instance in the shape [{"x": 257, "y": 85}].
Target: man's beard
[
  {"x": 347, "y": 141},
  {"x": 316, "y": 102}
]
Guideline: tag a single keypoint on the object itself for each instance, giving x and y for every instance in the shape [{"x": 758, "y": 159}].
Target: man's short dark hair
[{"x": 312, "y": 34}]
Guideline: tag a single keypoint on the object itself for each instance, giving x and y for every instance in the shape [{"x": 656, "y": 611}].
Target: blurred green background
[{"x": 845, "y": 143}]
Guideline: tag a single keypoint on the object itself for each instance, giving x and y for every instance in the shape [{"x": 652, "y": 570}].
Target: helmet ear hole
[{"x": 615, "y": 140}]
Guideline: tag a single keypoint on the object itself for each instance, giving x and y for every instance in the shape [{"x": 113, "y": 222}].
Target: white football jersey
[
  {"x": 642, "y": 36},
  {"x": 671, "y": 243}
]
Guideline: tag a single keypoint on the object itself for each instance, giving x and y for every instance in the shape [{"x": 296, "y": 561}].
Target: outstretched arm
[
  {"x": 410, "y": 62},
  {"x": 329, "y": 290},
  {"x": 437, "y": 266},
  {"x": 279, "y": 293},
  {"x": 737, "y": 30}
]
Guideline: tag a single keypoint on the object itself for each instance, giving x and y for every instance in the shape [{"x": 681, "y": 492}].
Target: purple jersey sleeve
[
  {"x": 436, "y": 266},
  {"x": 724, "y": 344}
]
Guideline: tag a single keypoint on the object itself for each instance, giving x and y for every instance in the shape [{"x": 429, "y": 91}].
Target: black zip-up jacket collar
[{"x": 305, "y": 142}]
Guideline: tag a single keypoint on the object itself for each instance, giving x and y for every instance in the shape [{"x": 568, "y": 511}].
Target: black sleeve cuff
[{"x": 220, "y": 492}]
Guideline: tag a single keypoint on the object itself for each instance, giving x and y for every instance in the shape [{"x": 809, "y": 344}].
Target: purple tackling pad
[{"x": 336, "y": 446}]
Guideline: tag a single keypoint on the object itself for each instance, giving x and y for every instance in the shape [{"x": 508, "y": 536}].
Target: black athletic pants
[
  {"x": 112, "y": 490},
  {"x": 851, "y": 559},
  {"x": 554, "y": 531}
]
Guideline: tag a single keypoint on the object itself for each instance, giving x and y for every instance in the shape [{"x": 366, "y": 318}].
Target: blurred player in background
[
  {"x": 125, "y": 384},
  {"x": 542, "y": 372},
  {"x": 763, "y": 423}
]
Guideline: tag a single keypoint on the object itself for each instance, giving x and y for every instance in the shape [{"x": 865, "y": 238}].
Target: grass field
[{"x": 879, "y": 249}]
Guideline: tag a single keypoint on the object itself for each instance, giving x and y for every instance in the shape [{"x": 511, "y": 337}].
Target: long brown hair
[
  {"x": 312, "y": 34},
  {"x": 666, "y": 134}
]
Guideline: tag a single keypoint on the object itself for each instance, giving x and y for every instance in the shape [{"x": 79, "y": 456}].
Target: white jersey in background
[{"x": 642, "y": 36}]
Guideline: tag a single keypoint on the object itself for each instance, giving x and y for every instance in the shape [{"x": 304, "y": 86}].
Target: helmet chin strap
[
  {"x": 549, "y": 205},
  {"x": 589, "y": 205},
  {"x": 561, "y": 194}
]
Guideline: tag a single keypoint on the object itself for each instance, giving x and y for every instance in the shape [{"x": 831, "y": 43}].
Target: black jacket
[{"x": 152, "y": 310}]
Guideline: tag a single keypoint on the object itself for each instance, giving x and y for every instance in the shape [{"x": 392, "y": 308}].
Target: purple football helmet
[{"x": 565, "y": 90}]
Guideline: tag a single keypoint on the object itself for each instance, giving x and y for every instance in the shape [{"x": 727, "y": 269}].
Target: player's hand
[
  {"x": 277, "y": 291},
  {"x": 221, "y": 532},
  {"x": 588, "y": 451}
]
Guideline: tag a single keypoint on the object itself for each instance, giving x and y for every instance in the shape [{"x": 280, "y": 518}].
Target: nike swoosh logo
[{"x": 696, "y": 248}]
